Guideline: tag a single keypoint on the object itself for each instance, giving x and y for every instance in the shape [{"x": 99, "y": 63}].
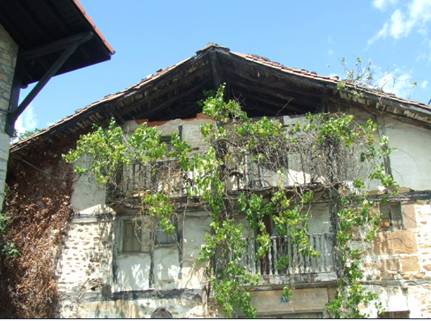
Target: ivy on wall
[
  {"x": 336, "y": 156},
  {"x": 37, "y": 215}
]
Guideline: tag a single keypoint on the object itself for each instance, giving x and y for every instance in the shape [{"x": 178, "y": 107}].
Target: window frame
[
  {"x": 175, "y": 236},
  {"x": 120, "y": 235},
  {"x": 149, "y": 236},
  {"x": 392, "y": 213}
]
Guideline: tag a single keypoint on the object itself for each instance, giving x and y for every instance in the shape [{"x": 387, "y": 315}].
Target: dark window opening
[
  {"x": 392, "y": 218},
  {"x": 132, "y": 231},
  {"x": 163, "y": 238},
  {"x": 395, "y": 315}
]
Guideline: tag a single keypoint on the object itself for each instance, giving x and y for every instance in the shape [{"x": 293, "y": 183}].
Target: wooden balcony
[
  {"x": 166, "y": 176},
  {"x": 296, "y": 266}
]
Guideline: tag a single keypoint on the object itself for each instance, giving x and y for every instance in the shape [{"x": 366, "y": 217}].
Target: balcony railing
[
  {"x": 295, "y": 263},
  {"x": 166, "y": 176}
]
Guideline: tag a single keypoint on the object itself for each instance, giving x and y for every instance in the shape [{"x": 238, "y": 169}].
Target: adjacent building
[{"x": 39, "y": 40}]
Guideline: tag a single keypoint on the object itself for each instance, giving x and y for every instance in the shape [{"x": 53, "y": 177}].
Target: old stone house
[{"x": 101, "y": 270}]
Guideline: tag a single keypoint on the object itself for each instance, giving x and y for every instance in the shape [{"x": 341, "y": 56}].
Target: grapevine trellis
[{"x": 257, "y": 169}]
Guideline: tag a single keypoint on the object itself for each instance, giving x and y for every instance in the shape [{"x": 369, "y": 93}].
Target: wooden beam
[
  {"x": 215, "y": 69},
  {"x": 270, "y": 83},
  {"x": 15, "y": 111},
  {"x": 150, "y": 108},
  {"x": 240, "y": 64},
  {"x": 55, "y": 46},
  {"x": 277, "y": 103},
  {"x": 277, "y": 96}
]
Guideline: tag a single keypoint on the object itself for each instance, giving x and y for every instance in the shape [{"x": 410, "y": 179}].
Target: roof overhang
[
  {"x": 35, "y": 25},
  {"x": 263, "y": 87}
]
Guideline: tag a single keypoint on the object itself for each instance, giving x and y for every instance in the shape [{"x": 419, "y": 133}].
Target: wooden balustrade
[{"x": 285, "y": 258}]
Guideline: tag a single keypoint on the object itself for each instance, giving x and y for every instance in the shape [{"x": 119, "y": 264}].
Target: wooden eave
[
  {"x": 35, "y": 24},
  {"x": 263, "y": 86}
]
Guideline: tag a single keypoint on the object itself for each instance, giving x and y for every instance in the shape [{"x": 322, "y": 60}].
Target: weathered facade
[{"x": 102, "y": 272}]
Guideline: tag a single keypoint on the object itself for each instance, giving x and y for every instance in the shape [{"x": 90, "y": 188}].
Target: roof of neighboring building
[
  {"x": 207, "y": 72},
  {"x": 33, "y": 24}
]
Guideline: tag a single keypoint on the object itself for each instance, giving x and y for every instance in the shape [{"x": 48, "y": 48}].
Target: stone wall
[
  {"x": 270, "y": 303},
  {"x": 400, "y": 262},
  {"x": 8, "y": 54}
]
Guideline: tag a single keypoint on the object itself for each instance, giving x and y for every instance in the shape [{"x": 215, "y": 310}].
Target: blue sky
[{"x": 395, "y": 35}]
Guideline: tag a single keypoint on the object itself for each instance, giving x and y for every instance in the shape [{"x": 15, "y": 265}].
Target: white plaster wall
[
  {"x": 419, "y": 301},
  {"x": 411, "y": 160},
  {"x": 88, "y": 197},
  {"x": 166, "y": 267},
  {"x": 296, "y": 176},
  {"x": 139, "y": 308},
  {"x": 392, "y": 298},
  {"x": 133, "y": 271},
  {"x": 196, "y": 225},
  {"x": 191, "y": 132}
]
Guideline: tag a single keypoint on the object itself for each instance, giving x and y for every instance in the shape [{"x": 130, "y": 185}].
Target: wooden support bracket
[{"x": 69, "y": 46}]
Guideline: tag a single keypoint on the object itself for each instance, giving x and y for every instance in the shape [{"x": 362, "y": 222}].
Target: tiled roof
[{"x": 330, "y": 80}]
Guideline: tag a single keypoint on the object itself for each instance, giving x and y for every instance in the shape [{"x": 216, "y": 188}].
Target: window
[
  {"x": 391, "y": 215},
  {"x": 134, "y": 236},
  {"x": 167, "y": 139},
  {"x": 163, "y": 238}
]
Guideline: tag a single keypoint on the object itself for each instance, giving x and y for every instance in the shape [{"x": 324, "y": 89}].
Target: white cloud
[
  {"x": 414, "y": 15},
  {"x": 383, "y": 4},
  {"x": 26, "y": 121},
  {"x": 424, "y": 84},
  {"x": 397, "y": 82}
]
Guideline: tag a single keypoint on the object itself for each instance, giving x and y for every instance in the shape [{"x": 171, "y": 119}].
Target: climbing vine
[
  {"x": 7, "y": 248},
  {"x": 322, "y": 157}
]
